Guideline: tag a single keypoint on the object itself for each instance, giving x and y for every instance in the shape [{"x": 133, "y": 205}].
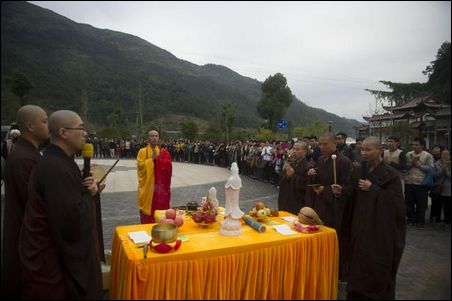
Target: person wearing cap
[
  {"x": 22, "y": 159},
  {"x": 154, "y": 171},
  {"x": 378, "y": 228},
  {"x": 58, "y": 244},
  {"x": 294, "y": 180}
]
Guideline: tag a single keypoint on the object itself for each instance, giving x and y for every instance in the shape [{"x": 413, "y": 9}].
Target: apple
[
  {"x": 260, "y": 205},
  {"x": 170, "y": 213},
  {"x": 261, "y": 213},
  {"x": 161, "y": 220},
  {"x": 179, "y": 221},
  {"x": 168, "y": 221}
]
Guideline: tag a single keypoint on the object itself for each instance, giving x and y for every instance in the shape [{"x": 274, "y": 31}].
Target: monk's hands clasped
[
  {"x": 337, "y": 189},
  {"x": 364, "y": 184},
  {"x": 91, "y": 185},
  {"x": 312, "y": 172}
]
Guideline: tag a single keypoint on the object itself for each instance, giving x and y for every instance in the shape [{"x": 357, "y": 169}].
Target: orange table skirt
[{"x": 212, "y": 266}]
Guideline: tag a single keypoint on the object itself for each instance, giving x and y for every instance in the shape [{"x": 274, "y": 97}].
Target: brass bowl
[{"x": 164, "y": 233}]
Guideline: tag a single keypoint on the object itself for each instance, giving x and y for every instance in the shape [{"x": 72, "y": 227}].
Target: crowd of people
[{"x": 51, "y": 241}]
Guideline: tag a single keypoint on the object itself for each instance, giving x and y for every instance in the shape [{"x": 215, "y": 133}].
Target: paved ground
[{"x": 424, "y": 273}]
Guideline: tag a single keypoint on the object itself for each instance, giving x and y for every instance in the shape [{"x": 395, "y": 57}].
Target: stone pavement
[{"x": 424, "y": 272}]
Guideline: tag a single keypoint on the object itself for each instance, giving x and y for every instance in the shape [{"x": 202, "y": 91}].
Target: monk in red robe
[{"x": 154, "y": 170}]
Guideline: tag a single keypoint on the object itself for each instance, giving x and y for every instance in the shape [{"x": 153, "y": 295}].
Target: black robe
[
  {"x": 58, "y": 244},
  {"x": 378, "y": 232},
  {"x": 292, "y": 190},
  {"x": 19, "y": 165},
  {"x": 328, "y": 207}
]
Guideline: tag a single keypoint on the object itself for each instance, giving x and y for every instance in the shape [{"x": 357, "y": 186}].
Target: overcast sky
[{"x": 329, "y": 51}]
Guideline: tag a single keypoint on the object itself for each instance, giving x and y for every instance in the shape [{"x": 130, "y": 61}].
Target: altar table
[{"x": 209, "y": 265}]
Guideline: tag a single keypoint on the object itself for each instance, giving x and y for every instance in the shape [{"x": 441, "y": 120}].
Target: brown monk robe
[
  {"x": 57, "y": 245},
  {"x": 32, "y": 121},
  {"x": 292, "y": 186},
  {"x": 378, "y": 227},
  {"x": 331, "y": 206}
]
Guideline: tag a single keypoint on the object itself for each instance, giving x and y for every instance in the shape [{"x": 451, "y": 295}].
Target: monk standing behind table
[
  {"x": 294, "y": 180},
  {"x": 330, "y": 200},
  {"x": 154, "y": 170},
  {"x": 58, "y": 245},
  {"x": 32, "y": 121},
  {"x": 378, "y": 228}
]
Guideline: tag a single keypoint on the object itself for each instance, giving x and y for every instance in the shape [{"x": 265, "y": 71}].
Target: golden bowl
[{"x": 164, "y": 233}]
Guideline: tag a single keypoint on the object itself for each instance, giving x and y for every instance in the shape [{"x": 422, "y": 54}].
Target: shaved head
[
  {"x": 373, "y": 141},
  {"x": 27, "y": 114},
  {"x": 62, "y": 119},
  {"x": 329, "y": 136}
]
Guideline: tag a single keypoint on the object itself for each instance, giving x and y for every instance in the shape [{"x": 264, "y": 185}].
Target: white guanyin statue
[
  {"x": 231, "y": 225},
  {"x": 212, "y": 197}
]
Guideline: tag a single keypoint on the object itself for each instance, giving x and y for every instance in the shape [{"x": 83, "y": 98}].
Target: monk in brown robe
[
  {"x": 32, "y": 121},
  {"x": 58, "y": 240},
  {"x": 378, "y": 227},
  {"x": 293, "y": 183},
  {"x": 330, "y": 200}
]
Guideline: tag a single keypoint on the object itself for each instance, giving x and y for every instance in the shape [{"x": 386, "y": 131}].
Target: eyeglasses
[{"x": 79, "y": 128}]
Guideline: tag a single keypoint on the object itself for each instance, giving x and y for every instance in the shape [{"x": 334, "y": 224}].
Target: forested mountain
[{"x": 76, "y": 66}]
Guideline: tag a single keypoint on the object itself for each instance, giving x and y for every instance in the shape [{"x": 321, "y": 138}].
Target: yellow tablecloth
[{"x": 209, "y": 265}]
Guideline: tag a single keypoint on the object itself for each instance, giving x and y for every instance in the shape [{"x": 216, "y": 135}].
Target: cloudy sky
[{"x": 329, "y": 51}]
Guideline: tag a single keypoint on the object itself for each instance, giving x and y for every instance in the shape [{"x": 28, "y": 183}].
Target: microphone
[
  {"x": 87, "y": 154},
  {"x": 364, "y": 169}
]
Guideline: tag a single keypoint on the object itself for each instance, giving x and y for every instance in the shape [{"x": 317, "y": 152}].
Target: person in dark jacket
[
  {"x": 32, "y": 121},
  {"x": 378, "y": 227},
  {"x": 58, "y": 244}
]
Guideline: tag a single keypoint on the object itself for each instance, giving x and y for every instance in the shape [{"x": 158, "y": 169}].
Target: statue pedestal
[{"x": 231, "y": 227}]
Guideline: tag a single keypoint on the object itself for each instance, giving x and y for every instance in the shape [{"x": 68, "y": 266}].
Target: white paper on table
[
  {"x": 289, "y": 218},
  {"x": 140, "y": 237},
  {"x": 284, "y": 229}
]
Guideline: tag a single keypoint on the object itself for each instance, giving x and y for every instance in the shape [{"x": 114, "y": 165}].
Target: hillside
[{"x": 68, "y": 62}]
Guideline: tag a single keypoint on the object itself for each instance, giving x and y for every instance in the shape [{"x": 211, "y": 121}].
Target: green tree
[
  {"x": 114, "y": 118},
  {"x": 20, "y": 85},
  {"x": 227, "y": 118},
  {"x": 189, "y": 129},
  {"x": 439, "y": 74},
  {"x": 276, "y": 98},
  {"x": 213, "y": 132}
]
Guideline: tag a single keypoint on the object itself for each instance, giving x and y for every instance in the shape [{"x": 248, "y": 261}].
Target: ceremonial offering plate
[
  {"x": 205, "y": 225},
  {"x": 306, "y": 228}
]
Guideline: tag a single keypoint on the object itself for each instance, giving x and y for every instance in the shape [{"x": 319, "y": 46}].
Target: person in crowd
[
  {"x": 378, "y": 227},
  {"x": 32, "y": 121},
  {"x": 342, "y": 146},
  {"x": 58, "y": 244},
  {"x": 357, "y": 152},
  {"x": 9, "y": 144},
  {"x": 435, "y": 198},
  {"x": 154, "y": 170},
  {"x": 266, "y": 154},
  {"x": 419, "y": 163},
  {"x": 330, "y": 199},
  {"x": 441, "y": 171},
  {"x": 314, "y": 150},
  {"x": 394, "y": 156},
  {"x": 294, "y": 180}
]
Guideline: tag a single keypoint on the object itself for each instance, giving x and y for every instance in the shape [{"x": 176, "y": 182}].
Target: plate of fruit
[
  {"x": 262, "y": 213},
  {"x": 206, "y": 215}
]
